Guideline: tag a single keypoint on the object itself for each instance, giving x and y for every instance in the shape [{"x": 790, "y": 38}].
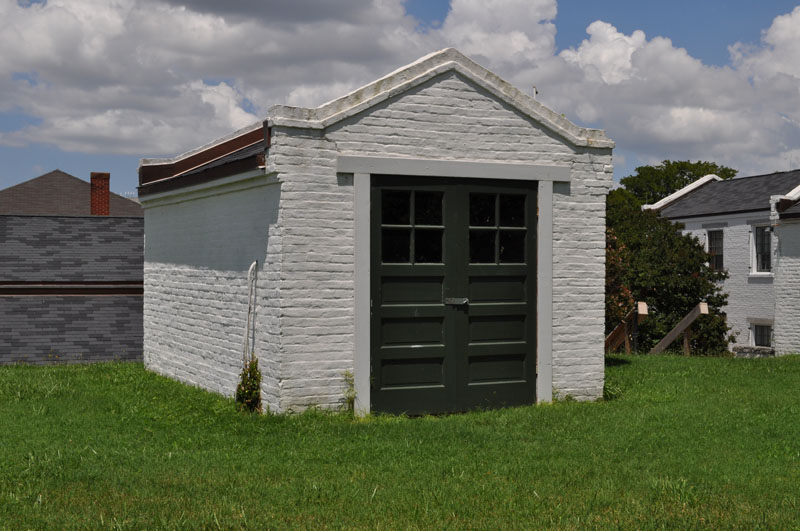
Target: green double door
[{"x": 453, "y": 289}]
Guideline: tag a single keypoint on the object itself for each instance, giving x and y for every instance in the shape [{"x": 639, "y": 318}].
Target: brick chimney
[{"x": 100, "y": 191}]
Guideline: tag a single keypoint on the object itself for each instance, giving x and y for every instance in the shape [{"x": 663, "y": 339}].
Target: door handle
[{"x": 456, "y": 301}]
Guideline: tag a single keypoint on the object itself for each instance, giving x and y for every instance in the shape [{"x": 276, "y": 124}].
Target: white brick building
[
  {"x": 752, "y": 226},
  {"x": 437, "y": 233}
]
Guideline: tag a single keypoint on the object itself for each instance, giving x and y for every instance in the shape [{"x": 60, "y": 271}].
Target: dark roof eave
[
  {"x": 169, "y": 184},
  {"x": 157, "y": 172},
  {"x": 90, "y": 216},
  {"x": 725, "y": 213}
]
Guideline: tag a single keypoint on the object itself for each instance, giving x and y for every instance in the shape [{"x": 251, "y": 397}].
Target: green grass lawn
[{"x": 687, "y": 443}]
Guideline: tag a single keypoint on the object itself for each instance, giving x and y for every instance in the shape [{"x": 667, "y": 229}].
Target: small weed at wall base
[
  {"x": 350, "y": 392},
  {"x": 248, "y": 392}
]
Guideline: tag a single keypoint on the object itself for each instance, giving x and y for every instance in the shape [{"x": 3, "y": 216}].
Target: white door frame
[{"x": 362, "y": 167}]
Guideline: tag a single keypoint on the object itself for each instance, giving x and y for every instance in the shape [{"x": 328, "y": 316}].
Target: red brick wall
[{"x": 100, "y": 191}]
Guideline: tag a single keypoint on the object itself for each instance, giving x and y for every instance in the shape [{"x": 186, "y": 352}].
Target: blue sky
[
  {"x": 83, "y": 100},
  {"x": 705, "y": 28}
]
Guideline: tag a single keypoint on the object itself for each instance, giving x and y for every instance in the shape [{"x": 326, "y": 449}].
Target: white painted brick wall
[
  {"x": 578, "y": 260},
  {"x": 749, "y": 296},
  {"x": 787, "y": 289},
  {"x": 317, "y": 312},
  {"x": 197, "y": 254},
  {"x": 446, "y": 118},
  {"x": 198, "y": 251}
]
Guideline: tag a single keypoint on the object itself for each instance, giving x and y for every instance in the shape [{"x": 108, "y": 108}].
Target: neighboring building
[
  {"x": 71, "y": 258},
  {"x": 60, "y": 194},
  {"x": 436, "y": 233},
  {"x": 751, "y": 226}
]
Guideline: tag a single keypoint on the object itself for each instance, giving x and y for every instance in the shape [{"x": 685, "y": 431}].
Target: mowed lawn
[{"x": 685, "y": 443}]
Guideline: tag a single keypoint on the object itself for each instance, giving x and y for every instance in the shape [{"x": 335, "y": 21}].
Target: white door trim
[
  {"x": 451, "y": 168},
  {"x": 363, "y": 167}
]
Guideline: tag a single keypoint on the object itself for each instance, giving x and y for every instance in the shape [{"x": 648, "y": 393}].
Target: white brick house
[
  {"x": 752, "y": 226},
  {"x": 437, "y": 233}
]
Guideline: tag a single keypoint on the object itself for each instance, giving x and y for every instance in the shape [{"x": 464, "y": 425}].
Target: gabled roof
[
  {"x": 419, "y": 72},
  {"x": 58, "y": 193},
  {"x": 194, "y": 166},
  {"x": 744, "y": 194}
]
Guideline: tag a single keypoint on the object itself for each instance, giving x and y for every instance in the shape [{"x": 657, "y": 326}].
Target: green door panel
[{"x": 453, "y": 285}]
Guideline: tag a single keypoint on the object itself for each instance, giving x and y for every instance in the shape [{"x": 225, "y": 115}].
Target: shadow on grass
[{"x": 615, "y": 361}]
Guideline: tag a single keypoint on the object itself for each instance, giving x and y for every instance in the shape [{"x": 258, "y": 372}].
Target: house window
[
  {"x": 762, "y": 335},
  {"x": 763, "y": 249},
  {"x": 715, "y": 249}
]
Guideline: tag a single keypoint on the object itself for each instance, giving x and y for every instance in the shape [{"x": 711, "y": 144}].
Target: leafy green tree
[
  {"x": 619, "y": 299},
  {"x": 652, "y": 261},
  {"x": 652, "y": 183}
]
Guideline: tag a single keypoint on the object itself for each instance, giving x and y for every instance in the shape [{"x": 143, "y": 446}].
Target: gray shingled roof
[
  {"x": 60, "y": 194},
  {"x": 745, "y": 194}
]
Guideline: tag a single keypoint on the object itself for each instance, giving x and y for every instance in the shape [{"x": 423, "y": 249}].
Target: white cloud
[
  {"x": 501, "y": 31},
  {"x": 658, "y": 102},
  {"x": 151, "y": 77},
  {"x": 226, "y": 102},
  {"x": 157, "y": 77},
  {"x": 607, "y": 54},
  {"x": 779, "y": 53}
]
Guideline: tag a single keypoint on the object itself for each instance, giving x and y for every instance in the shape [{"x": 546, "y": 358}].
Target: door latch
[{"x": 456, "y": 301}]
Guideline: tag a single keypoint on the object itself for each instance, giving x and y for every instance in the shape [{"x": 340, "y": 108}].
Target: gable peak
[{"x": 420, "y": 71}]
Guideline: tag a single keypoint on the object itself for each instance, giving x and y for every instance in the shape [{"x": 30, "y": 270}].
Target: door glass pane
[
  {"x": 427, "y": 246},
  {"x": 428, "y": 208},
  {"x": 396, "y": 207},
  {"x": 512, "y": 246},
  {"x": 396, "y": 244},
  {"x": 512, "y": 210},
  {"x": 481, "y": 246},
  {"x": 481, "y": 210}
]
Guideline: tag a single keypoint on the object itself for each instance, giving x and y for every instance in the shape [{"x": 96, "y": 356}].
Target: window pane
[
  {"x": 481, "y": 210},
  {"x": 715, "y": 241},
  {"x": 764, "y": 263},
  {"x": 762, "y": 238},
  {"x": 427, "y": 246},
  {"x": 396, "y": 244},
  {"x": 481, "y": 246},
  {"x": 763, "y": 248},
  {"x": 763, "y": 336},
  {"x": 512, "y": 246},
  {"x": 512, "y": 210},
  {"x": 715, "y": 249},
  {"x": 428, "y": 208},
  {"x": 395, "y": 208}
]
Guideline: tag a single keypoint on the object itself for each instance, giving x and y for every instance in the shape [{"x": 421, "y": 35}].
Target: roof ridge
[
  {"x": 684, "y": 192},
  {"x": 761, "y": 175},
  {"x": 420, "y": 71},
  {"x": 62, "y": 172}
]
